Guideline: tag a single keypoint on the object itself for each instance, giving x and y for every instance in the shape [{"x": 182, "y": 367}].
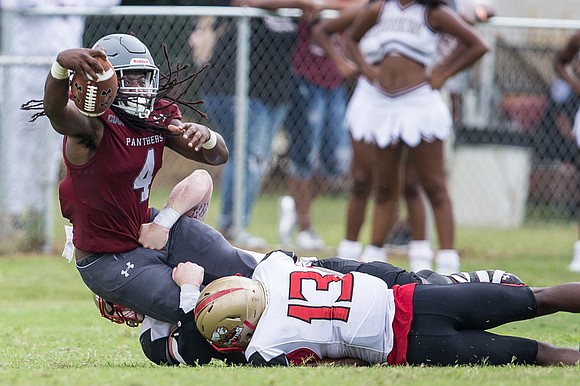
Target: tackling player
[
  {"x": 290, "y": 314},
  {"x": 174, "y": 344}
]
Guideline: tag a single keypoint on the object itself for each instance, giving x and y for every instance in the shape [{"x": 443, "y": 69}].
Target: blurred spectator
[
  {"x": 566, "y": 66},
  {"x": 404, "y": 110},
  {"x": 363, "y": 160},
  {"x": 554, "y": 137},
  {"x": 318, "y": 140},
  {"x": 272, "y": 42},
  {"x": 33, "y": 148}
]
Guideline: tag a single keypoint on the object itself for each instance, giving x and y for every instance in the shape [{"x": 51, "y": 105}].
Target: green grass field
[{"x": 52, "y": 333}]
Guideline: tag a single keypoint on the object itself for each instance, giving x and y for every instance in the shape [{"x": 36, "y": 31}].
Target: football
[{"x": 94, "y": 96}]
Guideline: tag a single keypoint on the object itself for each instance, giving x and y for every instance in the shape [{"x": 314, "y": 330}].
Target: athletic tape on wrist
[
  {"x": 167, "y": 217},
  {"x": 211, "y": 142},
  {"x": 59, "y": 72}
]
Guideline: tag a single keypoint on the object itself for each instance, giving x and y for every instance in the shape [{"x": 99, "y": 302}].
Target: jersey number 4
[
  {"x": 143, "y": 180},
  {"x": 309, "y": 313}
]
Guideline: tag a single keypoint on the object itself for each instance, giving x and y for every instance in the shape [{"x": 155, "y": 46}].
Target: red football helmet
[{"x": 116, "y": 313}]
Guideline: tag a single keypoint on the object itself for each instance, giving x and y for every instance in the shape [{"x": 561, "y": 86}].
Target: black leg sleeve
[
  {"x": 155, "y": 351},
  {"x": 387, "y": 272}
]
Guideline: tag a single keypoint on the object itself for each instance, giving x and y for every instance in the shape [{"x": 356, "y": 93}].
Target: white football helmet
[
  {"x": 228, "y": 311},
  {"x": 129, "y": 55},
  {"x": 116, "y": 313}
]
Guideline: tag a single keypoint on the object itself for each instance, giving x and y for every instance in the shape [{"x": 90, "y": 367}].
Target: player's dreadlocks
[{"x": 177, "y": 78}]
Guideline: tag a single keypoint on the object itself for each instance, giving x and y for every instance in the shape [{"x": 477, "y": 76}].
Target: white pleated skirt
[{"x": 411, "y": 116}]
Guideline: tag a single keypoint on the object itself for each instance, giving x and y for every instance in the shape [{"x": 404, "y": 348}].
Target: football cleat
[{"x": 486, "y": 276}]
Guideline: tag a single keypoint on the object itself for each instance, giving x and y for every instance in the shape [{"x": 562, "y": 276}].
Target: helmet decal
[
  {"x": 139, "y": 61},
  {"x": 224, "y": 337}
]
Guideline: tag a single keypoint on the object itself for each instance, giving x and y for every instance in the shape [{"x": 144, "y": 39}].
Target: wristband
[
  {"x": 188, "y": 297},
  {"x": 211, "y": 142},
  {"x": 167, "y": 217},
  {"x": 59, "y": 72}
]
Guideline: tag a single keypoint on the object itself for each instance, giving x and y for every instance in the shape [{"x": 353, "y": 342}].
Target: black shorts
[
  {"x": 449, "y": 323},
  {"x": 141, "y": 279}
]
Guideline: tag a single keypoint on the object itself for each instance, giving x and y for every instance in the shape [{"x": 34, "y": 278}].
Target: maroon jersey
[
  {"x": 310, "y": 62},
  {"x": 107, "y": 199}
]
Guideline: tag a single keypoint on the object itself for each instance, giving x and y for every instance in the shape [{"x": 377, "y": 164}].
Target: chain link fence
[{"x": 510, "y": 162}]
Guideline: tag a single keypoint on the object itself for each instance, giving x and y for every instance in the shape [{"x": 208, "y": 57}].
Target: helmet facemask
[
  {"x": 116, "y": 313},
  {"x": 137, "y": 100}
]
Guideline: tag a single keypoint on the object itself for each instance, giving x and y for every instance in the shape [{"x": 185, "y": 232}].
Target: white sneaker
[
  {"x": 286, "y": 220},
  {"x": 447, "y": 261},
  {"x": 420, "y": 255},
  {"x": 348, "y": 249},
  {"x": 575, "y": 264},
  {"x": 249, "y": 241},
  {"x": 309, "y": 240},
  {"x": 373, "y": 253}
]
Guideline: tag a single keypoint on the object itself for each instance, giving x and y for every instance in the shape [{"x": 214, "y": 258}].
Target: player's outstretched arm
[
  {"x": 64, "y": 117},
  {"x": 198, "y": 143}
]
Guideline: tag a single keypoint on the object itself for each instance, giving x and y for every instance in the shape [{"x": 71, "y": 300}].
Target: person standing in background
[
  {"x": 271, "y": 44},
  {"x": 555, "y": 140},
  {"x": 417, "y": 120},
  {"x": 318, "y": 140},
  {"x": 363, "y": 160},
  {"x": 31, "y": 149},
  {"x": 565, "y": 69}
]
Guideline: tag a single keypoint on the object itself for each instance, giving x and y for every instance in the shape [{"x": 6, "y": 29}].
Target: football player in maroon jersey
[{"x": 111, "y": 161}]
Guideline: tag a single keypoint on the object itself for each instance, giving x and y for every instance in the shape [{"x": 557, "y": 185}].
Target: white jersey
[
  {"x": 403, "y": 30},
  {"x": 321, "y": 314}
]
